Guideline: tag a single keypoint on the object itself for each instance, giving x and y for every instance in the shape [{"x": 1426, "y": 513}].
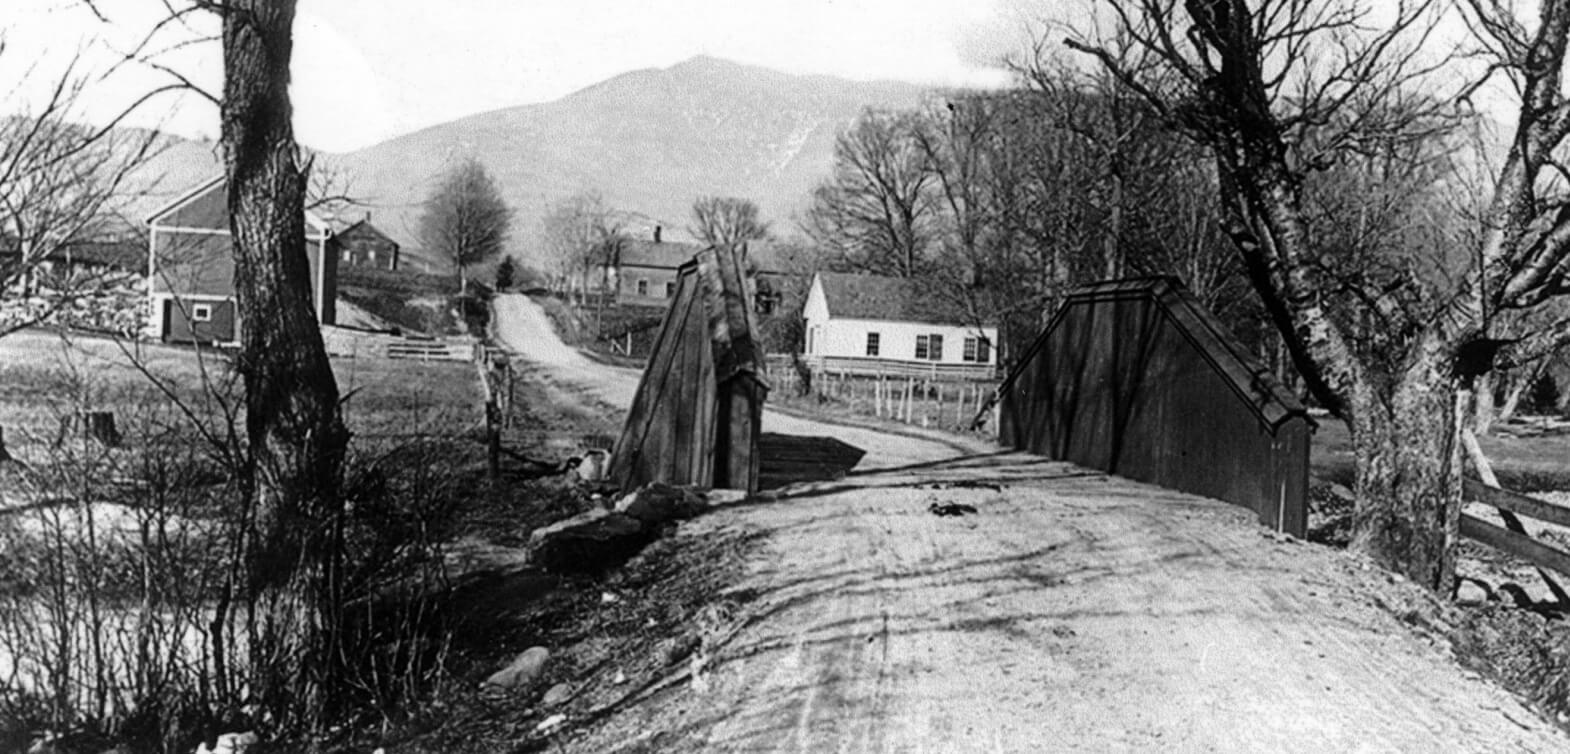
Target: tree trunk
[
  {"x": 1408, "y": 467},
  {"x": 293, "y": 425}
]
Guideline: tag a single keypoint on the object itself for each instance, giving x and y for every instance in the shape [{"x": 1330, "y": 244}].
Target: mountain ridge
[{"x": 650, "y": 141}]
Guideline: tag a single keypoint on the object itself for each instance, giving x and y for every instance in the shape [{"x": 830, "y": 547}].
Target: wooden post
[
  {"x": 510, "y": 395},
  {"x": 493, "y": 441},
  {"x": 100, "y": 427}
]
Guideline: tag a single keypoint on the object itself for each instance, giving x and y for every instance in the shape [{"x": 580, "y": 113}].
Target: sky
[{"x": 367, "y": 70}]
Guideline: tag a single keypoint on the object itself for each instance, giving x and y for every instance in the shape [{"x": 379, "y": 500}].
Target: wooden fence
[
  {"x": 922, "y": 401},
  {"x": 1512, "y": 537},
  {"x": 864, "y": 366},
  {"x": 343, "y": 341}
]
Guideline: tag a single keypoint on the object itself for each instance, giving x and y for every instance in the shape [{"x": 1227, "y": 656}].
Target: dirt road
[
  {"x": 522, "y": 326},
  {"x": 1071, "y": 612}
]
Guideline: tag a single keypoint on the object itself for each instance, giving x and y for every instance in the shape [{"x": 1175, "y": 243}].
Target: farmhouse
[
  {"x": 642, "y": 272},
  {"x": 363, "y": 245},
  {"x": 870, "y": 324},
  {"x": 190, "y": 281}
]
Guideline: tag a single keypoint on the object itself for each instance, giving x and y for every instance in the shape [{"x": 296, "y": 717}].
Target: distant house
[
  {"x": 366, "y": 246},
  {"x": 190, "y": 281},
  {"x": 641, "y": 272},
  {"x": 869, "y": 324},
  {"x": 644, "y": 272}
]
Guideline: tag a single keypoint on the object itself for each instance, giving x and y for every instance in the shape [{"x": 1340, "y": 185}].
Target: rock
[
  {"x": 538, "y": 535},
  {"x": 229, "y": 743},
  {"x": 1471, "y": 592},
  {"x": 522, "y": 670},
  {"x": 657, "y": 503},
  {"x": 726, "y": 497},
  {"x": 602, "y": 541},
  {"x": 557, "y": 694},
  {"x": 550, "y": 723},
  {"x": 594, "y": 466}
]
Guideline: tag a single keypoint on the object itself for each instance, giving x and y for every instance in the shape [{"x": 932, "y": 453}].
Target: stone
[
  {"x": 557, "y": 694},
  {"x": 523, "y": 669},
  {"x": 594, "y": 466},
  {"x": 229, "y": 743},
  {"x": 539, "y": 535},
  {"x": 657, "y": 503},
  {"x": 1470, "y": 592},
  {"x": 600, "y": 542},
  {"x": 726, "y": 497}
]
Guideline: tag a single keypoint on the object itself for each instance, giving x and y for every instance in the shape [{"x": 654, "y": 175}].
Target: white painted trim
[
  {"x": 321, "y": 281},
  {"x": 193, "y": 231},
  {"x": 184, "y": 198}
]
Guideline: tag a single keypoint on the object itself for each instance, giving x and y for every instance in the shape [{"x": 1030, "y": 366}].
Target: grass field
[{"x": 46, "y": 376}]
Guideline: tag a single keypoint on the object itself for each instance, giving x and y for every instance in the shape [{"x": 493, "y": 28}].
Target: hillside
[{"x": 650, "y": 141}]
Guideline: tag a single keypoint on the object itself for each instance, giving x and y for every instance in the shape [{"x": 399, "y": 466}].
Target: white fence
[{"x": 342, "y": 341}]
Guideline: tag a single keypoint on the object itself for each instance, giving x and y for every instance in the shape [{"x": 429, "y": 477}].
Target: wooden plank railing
[
  {"x": 867, "y": 366},
  {"x": 1514, "y": 540}
]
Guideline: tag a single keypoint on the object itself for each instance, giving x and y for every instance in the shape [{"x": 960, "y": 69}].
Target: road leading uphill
[{"x": 1070, "y": 611}]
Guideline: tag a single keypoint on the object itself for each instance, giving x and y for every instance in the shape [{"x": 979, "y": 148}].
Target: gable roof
[
  {"x": 889, "y": 299},
  {"x": 365, "y": 229},
  {"x": 313, "y": 222},
  {"x": 664, "y": 254}
]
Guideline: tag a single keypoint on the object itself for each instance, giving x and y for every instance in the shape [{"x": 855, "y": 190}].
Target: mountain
[{"x": 650, "y": 141}]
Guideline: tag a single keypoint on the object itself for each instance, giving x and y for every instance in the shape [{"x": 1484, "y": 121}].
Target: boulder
[
  {"x": 523, "y": 669},
  {"x": 657, "y": 503},
  {"x": 599, "y": 542},
  {"x": 539, "y": 535},
  {"x": 557, "y": 694},
  {"x": 593, "y": 467}
]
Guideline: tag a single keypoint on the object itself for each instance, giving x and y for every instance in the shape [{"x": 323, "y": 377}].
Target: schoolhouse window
[
  {"x": 670, "y": 290},
  {"x": 921, "y": 346},
  {"x": 935, "y": 347},
  {"x": 201, "y": 312},
  {"x": 643, "y": 287},
  {"x": 872, "y": 343}
]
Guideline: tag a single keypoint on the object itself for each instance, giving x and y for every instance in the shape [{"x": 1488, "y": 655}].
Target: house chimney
[{"x": 656, "y": 234}]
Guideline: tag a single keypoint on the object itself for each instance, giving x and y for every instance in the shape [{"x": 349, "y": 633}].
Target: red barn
[{"x": 190, "y": 285}]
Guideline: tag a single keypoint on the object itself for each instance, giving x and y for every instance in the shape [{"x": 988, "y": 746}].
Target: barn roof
[
  {"x": 216, "y": 215},
  {"x": 888, "y": 299}
]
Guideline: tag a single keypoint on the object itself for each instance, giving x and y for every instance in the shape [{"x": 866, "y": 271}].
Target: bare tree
[
  {"x": 294, "y": 426},
  {"x": 579, "y": 231},
  {"x": 1280, "y": 90},
  {"x": 876, "y": 210},
  {"x": 62, "y": 185},
  {"x": 727, "y": 221},
  {"x": 466, "y": 218}
]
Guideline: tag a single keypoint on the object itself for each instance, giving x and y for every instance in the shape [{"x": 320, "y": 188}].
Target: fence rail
[
  {"x": 1509, "y": 540},
  {"x": 864, "y": 366},
  {"x": 341, "y": 341}
]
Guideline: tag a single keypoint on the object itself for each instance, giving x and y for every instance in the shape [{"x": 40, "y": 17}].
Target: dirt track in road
[{"x": 1071, "y": 612}]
